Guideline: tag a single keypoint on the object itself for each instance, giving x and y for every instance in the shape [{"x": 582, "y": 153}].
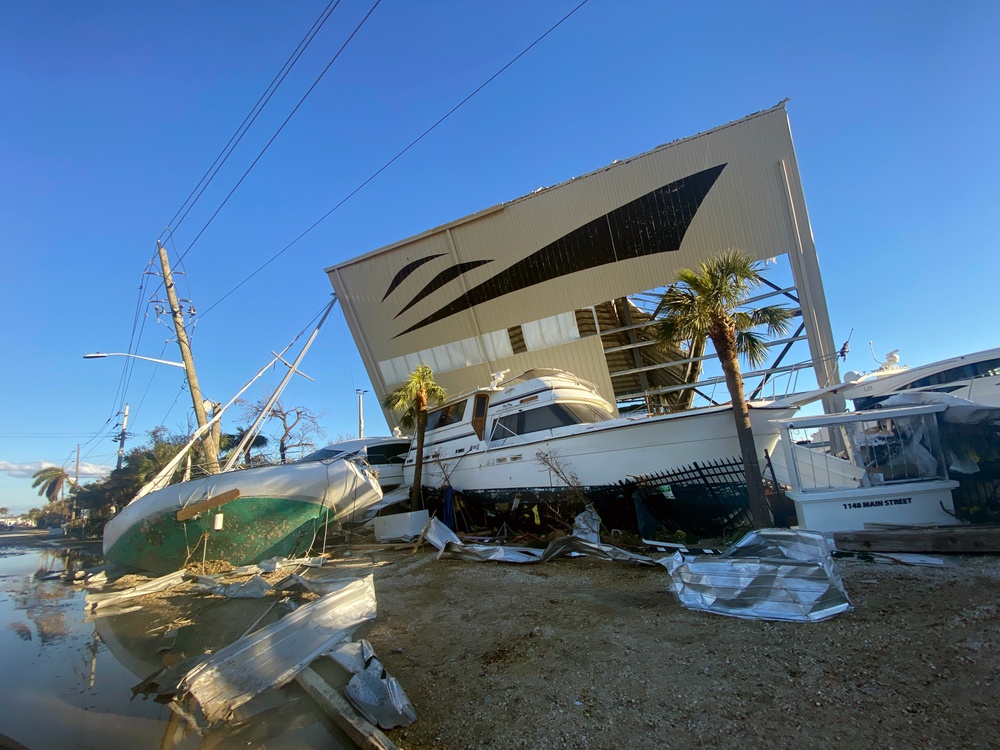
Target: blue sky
[{"x": 114, "y": 110}]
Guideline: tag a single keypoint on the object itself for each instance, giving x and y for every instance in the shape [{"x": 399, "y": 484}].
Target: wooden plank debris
[
  {"x": 190, "y": 511},
  {"x": 956, "y": 539},
  {"x": 420, "y": 539},
  {"x": 360, "y": 730}
]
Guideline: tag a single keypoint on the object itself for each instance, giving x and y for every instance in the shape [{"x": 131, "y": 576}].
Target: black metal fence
[{"x": 707, "y": 497}]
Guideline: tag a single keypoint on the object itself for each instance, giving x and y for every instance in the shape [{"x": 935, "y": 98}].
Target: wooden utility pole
[
  {"x": 121, "y": 438},
  {"x": 208, "y": 442},
  {"x": 76, "y": 481}
]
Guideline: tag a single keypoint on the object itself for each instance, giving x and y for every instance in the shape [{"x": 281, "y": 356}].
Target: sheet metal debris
[
  {"x": 379, "y": 697},
  {"x": 352, "y": 655},
  {"x": 273, "y": 655},
  {"x": 770, "y": 574},
  {"x": 110, "y": 603},
  {"x": 372, "y": 691},
  {"x": 450, "y": 547},
  {"x": 587, "y": 525},
  {"x": 322, "y": 585},
  {"x": 254, "y": 587},
  {"x": 568, "y": 545},
  {"x": 403, "y": 527}
]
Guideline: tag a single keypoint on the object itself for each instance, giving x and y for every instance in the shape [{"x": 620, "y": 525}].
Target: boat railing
[{"x": 882, "y": 447}]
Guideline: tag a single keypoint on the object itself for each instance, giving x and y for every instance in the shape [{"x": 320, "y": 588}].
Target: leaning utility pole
[
  {"x": 208, "y": 443},
  {"x": 121, "y": 438}
]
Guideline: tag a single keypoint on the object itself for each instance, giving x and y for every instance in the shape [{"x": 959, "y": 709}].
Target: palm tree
[
  {"x": 707, "y": 302},
  {"x": 229, "y": 440},
  {"x": 50, "y": 480},
  {"x": 410, "y": 400}
]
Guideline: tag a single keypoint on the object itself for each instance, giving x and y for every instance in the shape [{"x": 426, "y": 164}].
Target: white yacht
[
  {"x": 547, "y": 433},
  {"x": 384, "y": 456},
  {"x": 974, "y": 377}
]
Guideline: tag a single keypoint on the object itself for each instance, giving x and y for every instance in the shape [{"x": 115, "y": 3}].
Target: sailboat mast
[{"x": 208, "y": 442}]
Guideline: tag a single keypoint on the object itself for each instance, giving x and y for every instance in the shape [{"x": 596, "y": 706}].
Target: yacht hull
[{"x": 594, "y": 458}]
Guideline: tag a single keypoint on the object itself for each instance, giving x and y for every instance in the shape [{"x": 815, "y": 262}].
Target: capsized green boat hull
[
  {"x": 279, "y": 512},
  {"x": 253, "y": 529}
]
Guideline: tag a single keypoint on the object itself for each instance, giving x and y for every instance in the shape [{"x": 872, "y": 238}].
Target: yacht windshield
[
  {"x": 323, "y": 454},
  {"x": 546, "y": 417},
  {"x": 446, "y": 415}
]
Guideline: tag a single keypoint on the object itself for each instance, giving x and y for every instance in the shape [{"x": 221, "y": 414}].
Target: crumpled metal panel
[
  {"x": 273, "y": 655},
  {"x": 770, "y": 574},
  {"x": 489, "y": 553},
  {"x": 372, "y": 691},
  {"x": 107, "y": 603},
  {"x": 319, "y": 584},
  {"x": 254, "y": 587},
  {"x": 379, "y": 697},
  {"x": 574, "y": 545},
  {"x": 351, "y": 655},
  {"x": 450, "y": 547},
  {"x": 783, "y": 544},
  {"x": 587, "y": 525}
]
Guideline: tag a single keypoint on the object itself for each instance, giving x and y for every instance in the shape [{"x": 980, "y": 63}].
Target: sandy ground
[
  {"x": 581, "y": 653},
  {"x": 584, "y": 653}
]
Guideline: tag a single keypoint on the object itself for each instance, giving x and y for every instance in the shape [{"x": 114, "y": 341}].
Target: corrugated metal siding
[{"x": 746, "y": 207}]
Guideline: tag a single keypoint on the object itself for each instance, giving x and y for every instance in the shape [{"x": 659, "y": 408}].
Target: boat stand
[{"x": 505, "y": 532}]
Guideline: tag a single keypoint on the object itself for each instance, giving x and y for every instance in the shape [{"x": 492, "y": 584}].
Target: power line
[
  {"x": 280, "y": 128},
  {"x": 45, "y": 435},
  {"x": 391, "y": 161},
  {"x": 249, "y": 120},
  {"x": 138, "y": 323}
]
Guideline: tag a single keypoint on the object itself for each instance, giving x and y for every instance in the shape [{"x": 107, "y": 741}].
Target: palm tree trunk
[
  {"x": 416, "y": 498},
  {"x": 760, "y": 511}
]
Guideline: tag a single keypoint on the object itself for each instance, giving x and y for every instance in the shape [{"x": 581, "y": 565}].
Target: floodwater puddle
[{"x": 68, "y": 680}]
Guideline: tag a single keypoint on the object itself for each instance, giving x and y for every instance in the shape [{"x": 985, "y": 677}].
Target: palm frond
[
  {"x": 777, "y": 319},
  {"x": 752, "y": 347}
]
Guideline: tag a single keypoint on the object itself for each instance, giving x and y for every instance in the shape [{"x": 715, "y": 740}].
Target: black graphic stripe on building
[
  {"x": 448, "y": 274},
  {"x": 650, "y": 225},
  {"x": 406, "y": 271}
]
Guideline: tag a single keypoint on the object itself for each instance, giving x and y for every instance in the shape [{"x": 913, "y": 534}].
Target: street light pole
[{"x": 361, "y": 415}]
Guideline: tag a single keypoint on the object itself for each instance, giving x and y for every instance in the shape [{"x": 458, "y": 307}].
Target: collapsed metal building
[{"x": 567, "y": 276}]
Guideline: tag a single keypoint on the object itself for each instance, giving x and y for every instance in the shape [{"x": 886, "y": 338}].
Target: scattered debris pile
[
  {"x": 234, "y": 683},
  {"x": 771, "y": 574}
]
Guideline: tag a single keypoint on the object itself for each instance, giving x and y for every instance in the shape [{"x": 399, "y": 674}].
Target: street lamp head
[{"x": 102, "y": 355}]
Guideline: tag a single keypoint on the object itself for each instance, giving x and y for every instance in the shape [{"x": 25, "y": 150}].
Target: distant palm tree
[
  {"x": 50, "y": 482},
  {"x": 707, "y": 302},
  {"x": 230, "y": 440},
  {"x": 410, "y": 400}
]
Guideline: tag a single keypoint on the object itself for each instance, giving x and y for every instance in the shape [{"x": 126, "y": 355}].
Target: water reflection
[{"x": 68, "y": 682}]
